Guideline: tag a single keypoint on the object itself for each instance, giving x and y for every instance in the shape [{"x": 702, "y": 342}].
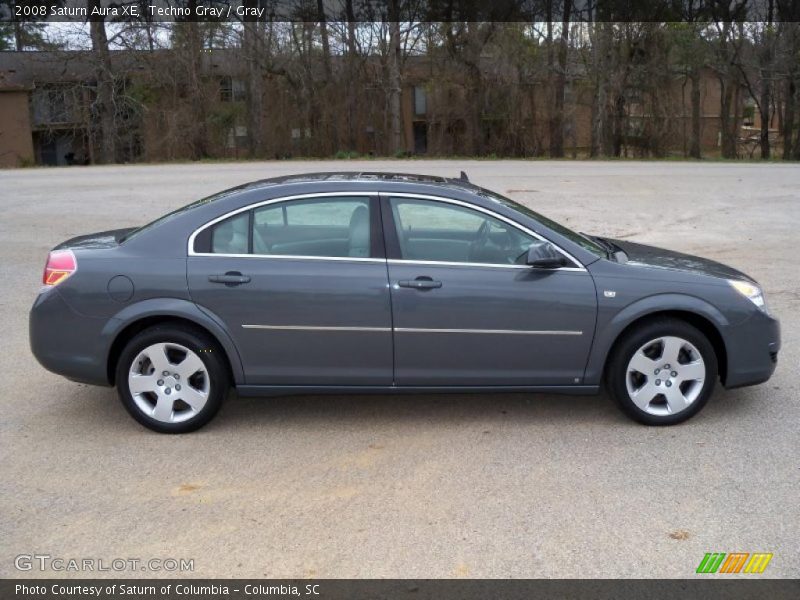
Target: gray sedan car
[{"x": 390, "y": 283}]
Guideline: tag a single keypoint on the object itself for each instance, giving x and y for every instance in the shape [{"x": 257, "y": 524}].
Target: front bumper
[
  {"x": 66, "y": 342},
  {"x": 752, "y": 348}
]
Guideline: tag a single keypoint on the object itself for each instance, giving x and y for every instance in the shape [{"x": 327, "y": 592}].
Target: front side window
[
  {"x": 428, "y": 230},
  {"x": 317, "y": 227},
  {"x": 578, "y": 238}
]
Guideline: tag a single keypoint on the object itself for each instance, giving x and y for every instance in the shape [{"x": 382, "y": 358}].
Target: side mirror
[{"x": 543, "y": 255}]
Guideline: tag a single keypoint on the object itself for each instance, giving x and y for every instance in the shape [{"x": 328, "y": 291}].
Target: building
[{"x": 48, "y": 111}]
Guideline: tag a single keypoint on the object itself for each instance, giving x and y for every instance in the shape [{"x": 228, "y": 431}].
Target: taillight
[{"x": 60, "y": 265}]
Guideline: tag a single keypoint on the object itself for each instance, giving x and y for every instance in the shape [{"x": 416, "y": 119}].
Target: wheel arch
[
  {"x": 703, "y": 324},
  {"x": 137, "y": 318},
  {"x": 698, "y": 313}
]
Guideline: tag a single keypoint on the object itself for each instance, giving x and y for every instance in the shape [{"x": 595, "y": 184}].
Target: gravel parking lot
[{"x": 427, "y": 486}]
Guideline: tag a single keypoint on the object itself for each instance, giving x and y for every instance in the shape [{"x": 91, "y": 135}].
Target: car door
[
  {"x": 301, "y": 285},
  {"x": 466, "y": 312}
]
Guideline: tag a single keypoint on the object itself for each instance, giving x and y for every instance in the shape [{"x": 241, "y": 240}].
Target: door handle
[
  {"x": 231, "y": 278},
  {"x": 420, "y": 283}
]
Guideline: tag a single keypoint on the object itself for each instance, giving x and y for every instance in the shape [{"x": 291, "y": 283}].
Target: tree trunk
[
  {"x": 796, "y": 148},
  {"x": 350, "y": 77},
  {"x": 766, "y": 83},
  {"x": 198, "y": 138},
  {"x": 551, "y": 76},
  {"x": 395, "y": 88},
  {"x": 476, "y": 86},
  {"x": 694, "y": 144},
  {"x": 602, "y": 131},
  {"x": 331, "y": 110},
  {"x": 107, "y": 152},
  {"x": 18, "y": 42},
  {"x": 727, "y": 128},
  {"x": 788, "y": 117},
  {"x": 619, "y": 125},
  {"x": 728, "y": 93},
  {"x": 764, "y": 115},
  {"x": 559, "y": 87},
  {"x": 326, "y": 46},
  {"x": 253, "y": 49}
]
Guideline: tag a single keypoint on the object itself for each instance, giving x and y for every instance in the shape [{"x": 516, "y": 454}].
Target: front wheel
[
  {"x": 663, "y": 372},
  {"x": 172, "y": 379}
]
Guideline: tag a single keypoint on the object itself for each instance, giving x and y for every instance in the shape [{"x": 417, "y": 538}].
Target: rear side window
[
  {"x": 315, "y": 227},
  {"x": 231, "y": 235},
  {"x": 325, "y": 227}
]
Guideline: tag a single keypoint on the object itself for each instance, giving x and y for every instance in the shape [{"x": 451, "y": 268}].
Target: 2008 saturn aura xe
[{"x": 380, "y": 282}]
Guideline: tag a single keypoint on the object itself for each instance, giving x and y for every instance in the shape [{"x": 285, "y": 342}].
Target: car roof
[{"x": 364, "y": 177}]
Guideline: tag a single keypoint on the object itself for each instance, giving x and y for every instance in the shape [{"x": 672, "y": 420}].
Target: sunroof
[
  {"x": 403, "y": 177},
  {"x": 356, "y": 176}
]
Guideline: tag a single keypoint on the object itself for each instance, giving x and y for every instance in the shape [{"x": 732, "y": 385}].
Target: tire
[
  {"x": 650, "y": 384},
  {"x": 172, "y": 378}
]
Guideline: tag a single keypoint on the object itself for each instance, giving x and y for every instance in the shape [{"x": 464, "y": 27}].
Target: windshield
[
  {"x": 583, "y": 241},
  {"x": 175, "y": 213}
]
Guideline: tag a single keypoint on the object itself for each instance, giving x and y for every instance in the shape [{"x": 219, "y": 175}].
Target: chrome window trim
[
  {"x": 196, "y": 232},
  {"x": 512, "y": 222},
  {"x": 368, "y": 194},
  {"x": 293, "y": 257},
  {"x": 442, "y": 263}
]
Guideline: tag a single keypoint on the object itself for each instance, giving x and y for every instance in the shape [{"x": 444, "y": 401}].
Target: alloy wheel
[
  {"x": 169, "y": 382},
  {"x": 665, "y": 375}
]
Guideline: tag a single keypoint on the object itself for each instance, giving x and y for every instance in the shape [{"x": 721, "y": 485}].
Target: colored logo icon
[{"x": 734, "y": 562}]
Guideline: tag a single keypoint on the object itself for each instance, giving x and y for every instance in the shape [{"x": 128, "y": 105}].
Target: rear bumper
[
  {"x": 752, "y": 349},
  {"x": 66, "y": 342}
]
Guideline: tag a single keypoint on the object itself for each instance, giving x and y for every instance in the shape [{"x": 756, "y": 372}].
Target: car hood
[
  {"x": 102, "y": 239},
  {"x": 652, "y": 256}
]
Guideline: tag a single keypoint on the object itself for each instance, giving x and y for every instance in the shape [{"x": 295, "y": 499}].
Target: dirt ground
[{"x": 427, "y": 486}]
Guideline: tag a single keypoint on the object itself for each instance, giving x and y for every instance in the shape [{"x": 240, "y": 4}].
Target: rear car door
[
  {"x": 301, "y": 285},
  {"x": 466, "y": 312}
]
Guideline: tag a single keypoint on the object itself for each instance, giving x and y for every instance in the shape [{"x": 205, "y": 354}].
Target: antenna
[{"x": 464, "y": 177}]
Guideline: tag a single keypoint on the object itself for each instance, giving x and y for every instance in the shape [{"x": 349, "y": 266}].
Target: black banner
[
  {"x": 713, "y": 588},
  {"x": 399, "y": 10}
]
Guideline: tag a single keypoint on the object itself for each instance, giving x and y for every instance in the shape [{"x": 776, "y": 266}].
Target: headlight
[{"x": 750, "y": 291}]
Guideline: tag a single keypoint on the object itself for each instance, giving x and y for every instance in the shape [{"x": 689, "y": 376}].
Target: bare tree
[
  {"x": 253, "y": 49},
  {"x": 557, "y": 63},
  {"x": 395, "y": 80},
  {"x": 104, "y": 103}
]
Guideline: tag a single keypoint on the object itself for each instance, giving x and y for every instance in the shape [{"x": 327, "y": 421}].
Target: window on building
[
  {"x": 232, "y": 89},
  {"x": 237, "y": 137},
  {"x": 53, "y": 105},
  {"x": 420, "y": 101},
  {"x": 749, "y": 114}
]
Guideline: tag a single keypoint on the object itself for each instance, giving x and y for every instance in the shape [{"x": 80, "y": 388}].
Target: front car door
[
  {"x": 301, "y": 285},
  {"x": 466, "y": 312}
]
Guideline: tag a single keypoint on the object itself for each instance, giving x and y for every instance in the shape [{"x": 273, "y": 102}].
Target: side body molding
[
  {"x": 184, "y": 309},
  {"x": 611, "y": 324}
]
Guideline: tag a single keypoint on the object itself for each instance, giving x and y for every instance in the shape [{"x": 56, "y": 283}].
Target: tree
[
  {"x": 557, "y": 66},
  {"x": 689, "y": 56},
  {"x": 105, "y": 81}
]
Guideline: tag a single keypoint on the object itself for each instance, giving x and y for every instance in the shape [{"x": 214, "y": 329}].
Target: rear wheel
[
  {"x": 663, "y": 372},
  {"x": 172, "y": 379}
]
